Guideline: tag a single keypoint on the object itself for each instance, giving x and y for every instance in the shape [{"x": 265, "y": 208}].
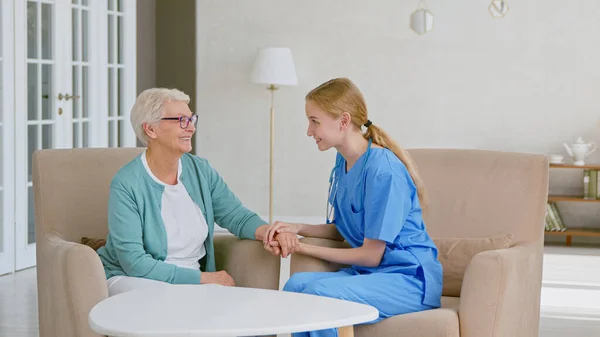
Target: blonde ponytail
[{"x": 381, "y": 138}]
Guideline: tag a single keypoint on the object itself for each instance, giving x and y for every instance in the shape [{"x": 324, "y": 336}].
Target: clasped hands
[{"x": 281, "y": 239}]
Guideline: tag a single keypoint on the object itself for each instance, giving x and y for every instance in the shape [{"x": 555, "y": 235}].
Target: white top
[
  {"x": 184, "y": 223},
  {"x": 212, "y": 310}
]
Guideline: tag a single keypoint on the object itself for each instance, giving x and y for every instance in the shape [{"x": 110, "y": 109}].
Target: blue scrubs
[{"x": 377, "y": 199}]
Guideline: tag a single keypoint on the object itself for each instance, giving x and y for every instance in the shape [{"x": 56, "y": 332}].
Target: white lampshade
[{"x": 274, "y": 66}]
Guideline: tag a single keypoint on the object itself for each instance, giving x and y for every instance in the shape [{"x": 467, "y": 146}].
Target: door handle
[{"x": 67, "y": 97}]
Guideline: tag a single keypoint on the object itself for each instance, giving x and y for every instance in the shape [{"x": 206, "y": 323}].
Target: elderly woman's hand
[
  {"x": 219, "y": 277},
  {"x": 275, "y": 250},
  {"x": 281, "y": 227}
]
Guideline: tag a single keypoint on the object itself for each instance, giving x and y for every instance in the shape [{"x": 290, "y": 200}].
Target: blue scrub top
[{"x": 377, "y": 199}]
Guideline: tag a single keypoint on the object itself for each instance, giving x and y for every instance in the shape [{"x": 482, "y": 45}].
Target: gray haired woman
[{"x": 164, "y": 203}]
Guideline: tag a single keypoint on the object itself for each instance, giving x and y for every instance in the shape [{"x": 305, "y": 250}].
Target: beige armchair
[
  {"x": 479, "y": 201},
  {"x": 71, "y": 196}
]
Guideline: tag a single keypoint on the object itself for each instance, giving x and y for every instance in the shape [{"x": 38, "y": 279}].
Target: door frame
[{"x": 7, "y": 254}]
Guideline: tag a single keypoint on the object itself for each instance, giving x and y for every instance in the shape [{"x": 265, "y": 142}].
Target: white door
[
  {"x": 7, "y": 253},
  {"x": 63, "y": 87}
]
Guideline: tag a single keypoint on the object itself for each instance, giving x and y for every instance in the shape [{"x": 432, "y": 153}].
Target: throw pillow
[
  {"x": 93, "y": 243},
  {"x": 455, "y": 254}
]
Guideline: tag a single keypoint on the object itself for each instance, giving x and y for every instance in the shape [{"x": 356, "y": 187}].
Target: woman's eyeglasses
[{"x": 184, "y": 121}]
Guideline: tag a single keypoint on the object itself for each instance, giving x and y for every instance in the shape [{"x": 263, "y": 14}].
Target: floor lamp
[{"x": 273, "y": 67}]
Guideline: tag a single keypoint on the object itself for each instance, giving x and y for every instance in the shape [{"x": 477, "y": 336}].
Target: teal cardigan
[{"x": 136, "y": 244}]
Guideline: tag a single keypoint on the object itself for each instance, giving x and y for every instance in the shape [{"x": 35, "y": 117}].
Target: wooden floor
[
  {"x": 18, "y": 304},
  {"x": 570, "y": 303},
  {"x": 570, "y": 296}
]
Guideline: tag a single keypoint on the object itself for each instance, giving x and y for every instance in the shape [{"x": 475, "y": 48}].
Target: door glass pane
[
  {"x": 111, "y": 5},
  {"x": 47, "y": 102},
  {"x": 120, "y": 133},
  {"x": 85, "y": 134},
  {"x": 76, "y": 135},
  {"x": 120, "y": 5},
  {"x": 75, "y": 91},
  {"x": 84, "y": 35},
  {"x": 30, "y": 216},
  {"x": 119, "y": 92},
  {"x": 84, "y": 96},
  {"x": 47, "y": 31},
  {"x": 111, "y": 134},
  {"x": 47, "y": 136},
  {"x": 32, "y": 30},
  {"x": 120, "y": 39},
  {"x": 110, "y": 39},
  {"x": 32, "y": 74},
  {"x": 32, "y": 145},
  {"x": 75, "y": 34},
  {"x": 111, "y": 92}
]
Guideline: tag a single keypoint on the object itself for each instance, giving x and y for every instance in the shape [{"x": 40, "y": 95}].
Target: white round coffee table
[{"x": 214, "y": 310}]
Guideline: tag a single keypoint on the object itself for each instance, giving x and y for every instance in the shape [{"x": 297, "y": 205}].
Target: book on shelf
[
  {"x": 554, "y": 222},
  {"x": 591, "y": 184}
]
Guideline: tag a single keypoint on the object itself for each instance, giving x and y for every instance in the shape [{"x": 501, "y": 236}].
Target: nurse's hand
[{"x": 288, "y": 242}]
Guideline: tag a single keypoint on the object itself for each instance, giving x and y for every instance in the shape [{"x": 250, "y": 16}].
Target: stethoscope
[{"x": 333, "y": 185}]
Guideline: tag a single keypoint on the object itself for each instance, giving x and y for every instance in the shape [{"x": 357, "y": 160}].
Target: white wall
[{"x": 525, "y": 83}]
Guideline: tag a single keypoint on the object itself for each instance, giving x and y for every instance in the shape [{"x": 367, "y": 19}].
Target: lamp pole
[{"x": 272, "y": 89}]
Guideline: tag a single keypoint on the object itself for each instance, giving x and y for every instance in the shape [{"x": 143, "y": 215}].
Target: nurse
[{"x": 375, "y": 204}]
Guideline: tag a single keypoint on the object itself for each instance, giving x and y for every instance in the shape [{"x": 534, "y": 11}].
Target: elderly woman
[{"x": 164, "y": 203}]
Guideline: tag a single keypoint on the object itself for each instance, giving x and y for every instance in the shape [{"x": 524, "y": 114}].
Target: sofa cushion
[
  {"x": 93, "y": 243},
  {"x": 443, "y": 322},
  {"x": 455, "y": 254}
]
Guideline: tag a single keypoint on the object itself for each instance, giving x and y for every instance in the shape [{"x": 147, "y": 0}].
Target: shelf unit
[{"x": 571, "y": 232}]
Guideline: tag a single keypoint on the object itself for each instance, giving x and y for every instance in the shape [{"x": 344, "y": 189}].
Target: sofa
[{"x": 486, "y": 213}]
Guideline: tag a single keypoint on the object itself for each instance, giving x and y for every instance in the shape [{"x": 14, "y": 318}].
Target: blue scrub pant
[{"x": 391, "y": 294}]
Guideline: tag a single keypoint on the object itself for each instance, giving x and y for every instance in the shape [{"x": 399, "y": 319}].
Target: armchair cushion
[
  {"x": 442, "y": 322},
  {"x": 455, "y": 254}
]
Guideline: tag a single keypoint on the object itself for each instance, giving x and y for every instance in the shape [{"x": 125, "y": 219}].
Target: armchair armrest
[
  {"x": 247, "y": 262},
  {"x": 86, "y": 284},
  {"x": 501, "y": 291},
  {"x": 71, "y": 280}
]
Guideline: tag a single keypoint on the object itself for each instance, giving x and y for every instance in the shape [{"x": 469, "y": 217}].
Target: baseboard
[
  {"x": 571, "y": 285},
  {"x": 570, "y": 313}
]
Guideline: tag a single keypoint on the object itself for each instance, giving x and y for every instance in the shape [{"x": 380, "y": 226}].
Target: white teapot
[{"x": 579, "y": 150}]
